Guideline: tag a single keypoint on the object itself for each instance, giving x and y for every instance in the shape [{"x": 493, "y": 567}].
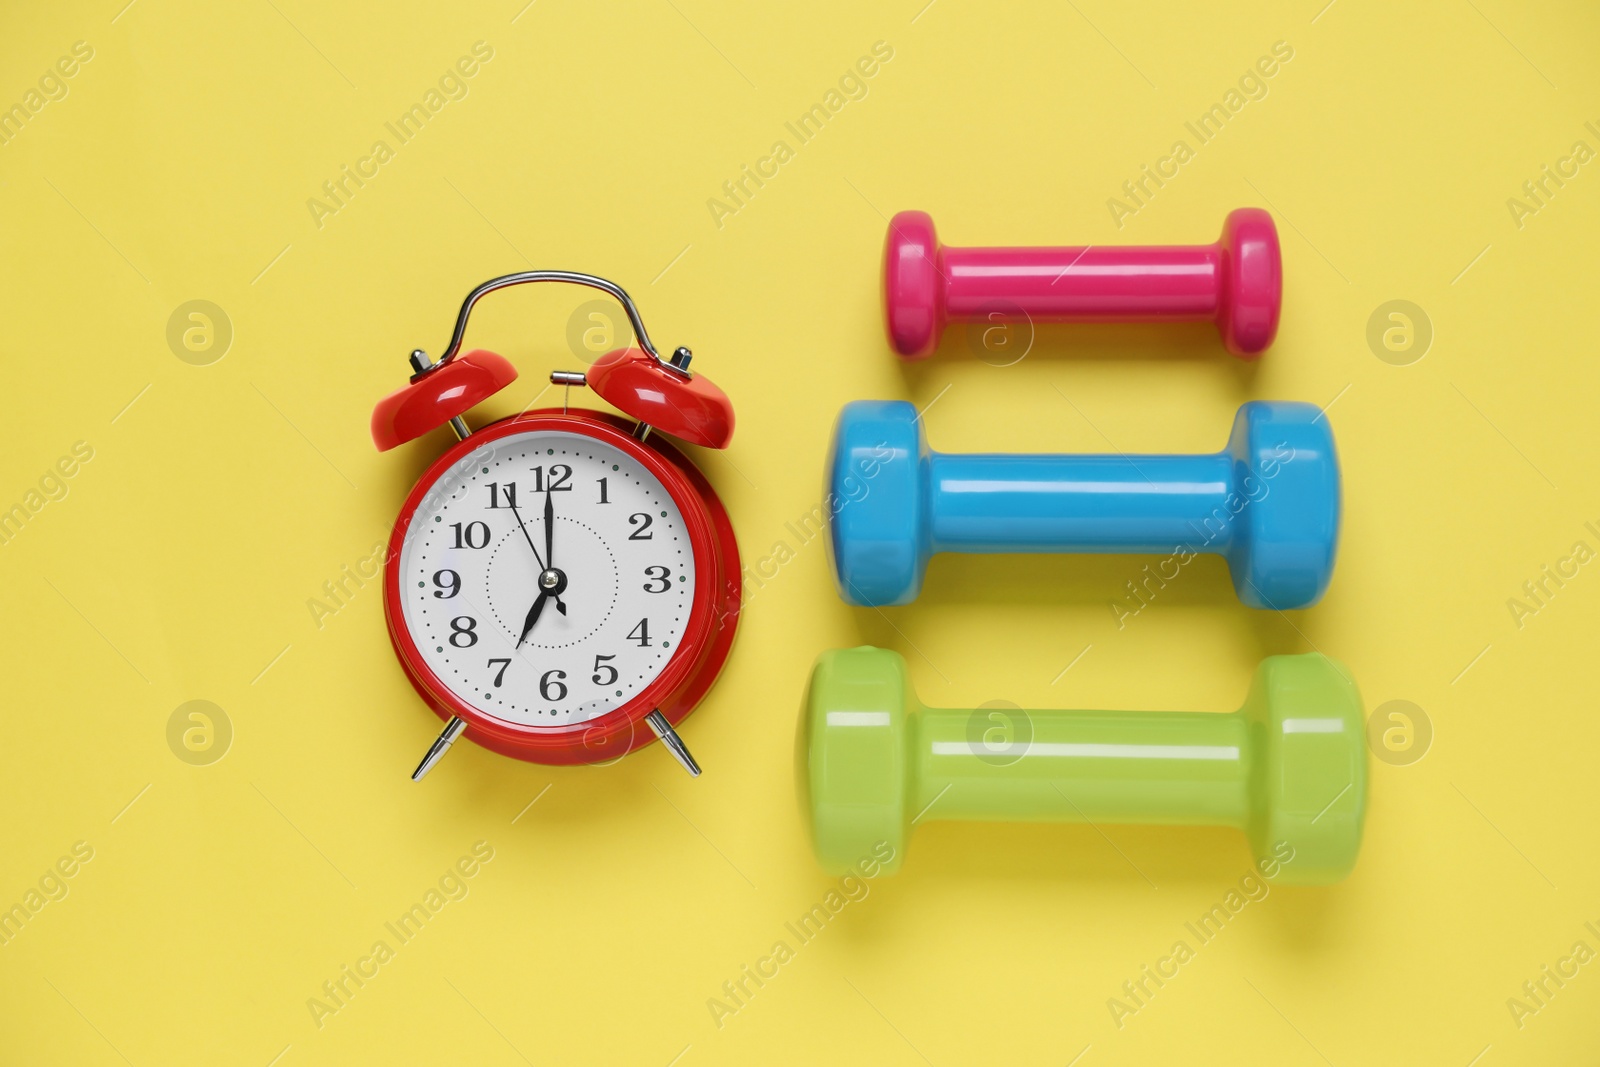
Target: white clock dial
[{"x": 470, "y": 574}]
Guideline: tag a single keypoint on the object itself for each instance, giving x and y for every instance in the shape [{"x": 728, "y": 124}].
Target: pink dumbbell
[{"x": 1237, "y": 282}]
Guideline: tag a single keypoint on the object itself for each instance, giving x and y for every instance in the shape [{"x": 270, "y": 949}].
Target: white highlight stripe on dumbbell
[
  {"x": 1313, "y": 726},
  {"x": 1212, "y": 752},
  {"x": 962, "y": 485},
  {"x": 858, "y": 718}
]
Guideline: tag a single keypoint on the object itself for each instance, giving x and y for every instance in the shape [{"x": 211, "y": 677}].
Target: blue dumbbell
[{"x": 1268, "y": 503}]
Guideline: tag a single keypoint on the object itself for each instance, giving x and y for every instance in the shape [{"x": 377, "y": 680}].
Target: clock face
[{"x": 616, "y": 555}]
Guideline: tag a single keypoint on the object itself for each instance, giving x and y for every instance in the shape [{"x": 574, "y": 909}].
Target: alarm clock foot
[
  {"x": 669, "y": 737},
  {"x": 440, "y": 746}
]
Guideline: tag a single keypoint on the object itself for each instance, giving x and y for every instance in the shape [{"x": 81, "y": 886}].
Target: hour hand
[{"x": 533, "y": 616}]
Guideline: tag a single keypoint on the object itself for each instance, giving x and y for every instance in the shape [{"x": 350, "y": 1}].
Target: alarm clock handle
[{"x": 573, "y": 277}]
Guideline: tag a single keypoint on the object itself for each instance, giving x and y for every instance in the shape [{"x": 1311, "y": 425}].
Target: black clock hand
[
  {"x": 544, "y": 592},
  {"x": 549, "y": 545},
  {"x": 549, "y": 529},
  {"x": 512, "y": 499},
  {"x": 533, "y": 616}
]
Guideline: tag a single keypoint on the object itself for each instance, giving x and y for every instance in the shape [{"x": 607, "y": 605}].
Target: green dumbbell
[{"x": 1289, "y": 768}]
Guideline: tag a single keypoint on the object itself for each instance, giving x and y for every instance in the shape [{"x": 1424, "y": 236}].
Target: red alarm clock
[{"x": 562, "y": 575}]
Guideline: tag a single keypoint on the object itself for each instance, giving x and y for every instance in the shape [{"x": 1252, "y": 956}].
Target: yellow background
[{"x": 180, "y": 563}]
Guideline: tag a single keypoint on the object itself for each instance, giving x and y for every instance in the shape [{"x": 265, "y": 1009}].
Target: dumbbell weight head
[
  {"x": 877, "y": 471},
  {"x": 1287, "y": 495},
  {"x": 1276, "y": 522},
  {"x": 865, "y": 741},
  {"x": 913, "y": 291},
  {"x": 1309, "y": 748},
  {"x": 853, "y": 757},
  {"x": 1252, "y": 282}
]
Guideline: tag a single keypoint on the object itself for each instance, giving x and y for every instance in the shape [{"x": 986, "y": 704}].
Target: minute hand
[
  {"x": 549, "y": 529},
  {"x": 512, "y": 499},
  {"x": 549, "y": 545}
]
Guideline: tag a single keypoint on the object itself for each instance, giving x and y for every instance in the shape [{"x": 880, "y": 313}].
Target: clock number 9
[
  {"x": 449, "y": 583},
  {"x": 657, "y": 574},
  {"x": 553, "y": 690},
  {"x": 463, "y": 627}
]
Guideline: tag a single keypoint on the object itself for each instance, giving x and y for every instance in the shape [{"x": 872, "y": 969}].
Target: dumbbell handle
[
  {"x": 1083, "y": 284},
  {"x": 1169, "y": 768},
  {"x": 1079, "y": 503}
]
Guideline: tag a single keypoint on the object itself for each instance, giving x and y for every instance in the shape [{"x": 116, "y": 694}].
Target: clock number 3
[{"x": 657, "y": 574}]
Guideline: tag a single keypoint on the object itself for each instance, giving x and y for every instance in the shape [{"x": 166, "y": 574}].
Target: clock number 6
[
  {"x": 553, "y": 690},
  {"x": 464, "y": 627},
  {"x": 657, "y": 574}
]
